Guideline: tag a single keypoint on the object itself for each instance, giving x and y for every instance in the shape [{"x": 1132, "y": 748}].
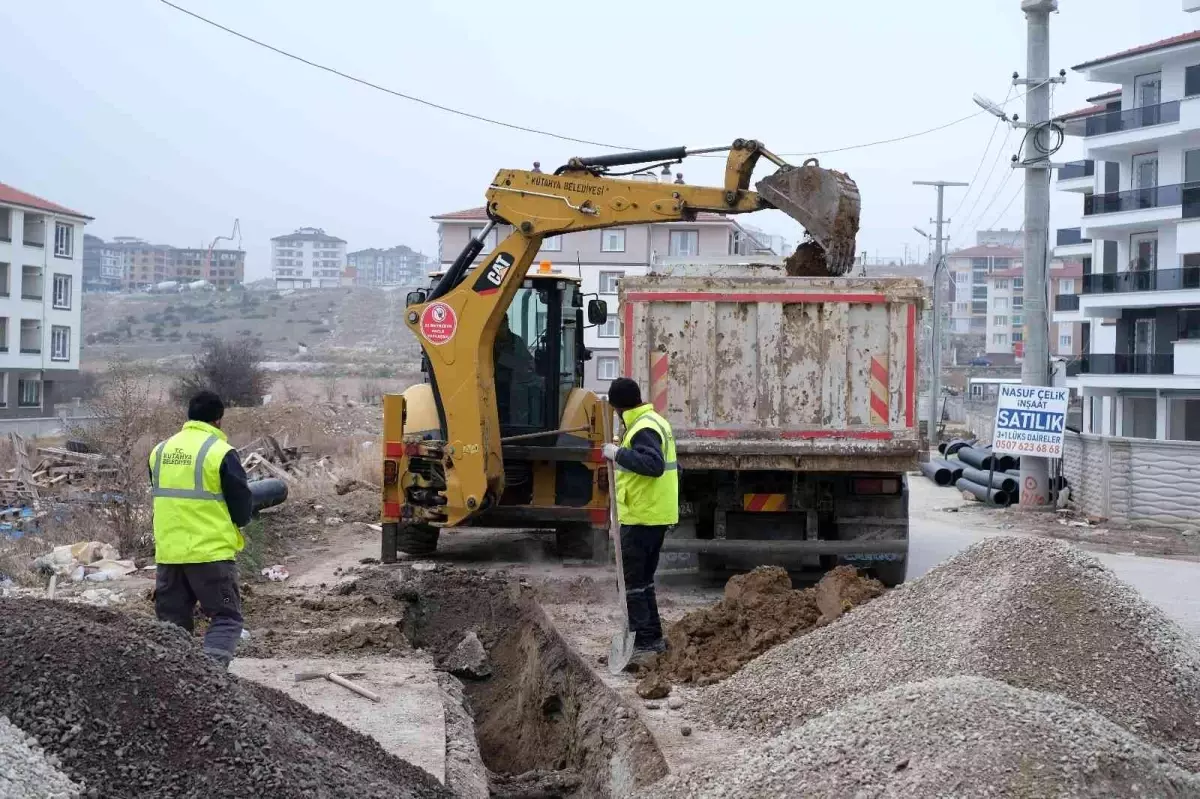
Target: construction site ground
[{"x": 340, "y": 610}]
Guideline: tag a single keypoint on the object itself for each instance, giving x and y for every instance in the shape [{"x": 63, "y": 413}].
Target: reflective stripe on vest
[
  {"x": 184, "y": 493},
  {"x": 644, "y": 500}
]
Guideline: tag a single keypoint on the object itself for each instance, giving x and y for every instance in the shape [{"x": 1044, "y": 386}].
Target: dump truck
[{"x": 793, "y": 403}]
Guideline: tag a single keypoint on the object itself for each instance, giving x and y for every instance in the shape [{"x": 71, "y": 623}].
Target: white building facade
[
  {"x": 1138, "y": 304},
  {"x": 309, "y": 258},
  {"x": 41, "y": 287}
]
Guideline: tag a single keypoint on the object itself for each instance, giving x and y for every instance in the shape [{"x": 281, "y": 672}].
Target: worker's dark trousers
[
  {"x": 177, "y": 589},
  {"x": 640, "y": 546}
]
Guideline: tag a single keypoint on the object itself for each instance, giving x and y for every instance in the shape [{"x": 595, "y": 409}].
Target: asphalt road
[{"x": 1173, "y": 585}]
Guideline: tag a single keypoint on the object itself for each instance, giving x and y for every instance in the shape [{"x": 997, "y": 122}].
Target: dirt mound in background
[
  {"x": 759, "y": 611},
  {"x": 133, "y": 709}
]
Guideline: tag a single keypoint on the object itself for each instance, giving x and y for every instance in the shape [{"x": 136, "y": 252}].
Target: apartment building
[
  {"x": 41, "y": 273},
  {"x": 103, "y": 265},
  {"x": 144, "y": 265},
  {"x": 308, "y": 258},
  {"x": 1138, "y": 303},
  {"x": 1003, "y": 237},
  {"x": 395, "y": 266},
  {"x": 968, "y": 275},
  {"x": 602, "y": 258}
]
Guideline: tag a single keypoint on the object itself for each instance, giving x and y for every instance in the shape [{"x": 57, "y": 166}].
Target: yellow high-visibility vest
[
  {"x": 648, "y": 500},
  {"x": 191, "y": 521}
]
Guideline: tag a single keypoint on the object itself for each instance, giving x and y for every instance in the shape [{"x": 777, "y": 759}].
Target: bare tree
[
  {"x": 128, "y": 417},
  {"x": 233, "y": 369}
]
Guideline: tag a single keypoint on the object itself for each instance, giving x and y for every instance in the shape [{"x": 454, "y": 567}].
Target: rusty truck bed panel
[{"x": 772, "y": 367}]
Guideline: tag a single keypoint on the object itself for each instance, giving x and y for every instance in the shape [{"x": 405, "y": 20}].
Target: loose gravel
[
  {"x": 964, "y": 737},
  {"x": 132, "y": 709},
  {"x": 25, "y": 770},
  {"x": 1034, "y": 613}
]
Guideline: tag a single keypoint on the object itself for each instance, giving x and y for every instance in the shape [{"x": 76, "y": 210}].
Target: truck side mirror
[
  {"x": 597, "y": 312},
  {"x": 415, "y": 297}
]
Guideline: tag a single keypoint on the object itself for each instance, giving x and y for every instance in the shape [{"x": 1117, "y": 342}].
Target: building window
[
  {"x": 4, "y": 270},
  {"x": 962, "y": 278},
  {"x": 552, "y": 244},
  {"x": 608, "y": 282},
  {"x": 1002, "y": 283},
  {"x": 31, "y": 336},
  {"x": 979, "y": 264},
  {"x": 29, "y": 393},
  {"x": 62, "y": 292},
  {"x": 489, "y": 243},
  {"x": 607, "y": 368},
  {"x": 31, "y": 282},
  {"x": 979, "y": 307},
  {"x": 979, "y": 292},
  {"x": 1018, "y": 284},
  {"x": 1066, "y": 286},
  {"x": 1000, "y": 321},
  {"x": 1018, "y": 336},
  {"x": 684, "y": 243},
  {"x": 1000, "y": 304},
  {"x": 610, "y": 329},
  {"x": 60, "y": 343},
  {"x": 1000, "y": 339},
  {"x": 5, "y": 224},
  {"x": 1000, "y": 264},
  {"x": 612, "y": 240},
  {"x": 64, "y": 239},
  {"x": 1018, "y": 303},
  {"x": 3, "y": 334},
  {"x": 963, "y": 307},
  {"x": 1064, "y": 342},
  {"x": 1018, "y": 321}
]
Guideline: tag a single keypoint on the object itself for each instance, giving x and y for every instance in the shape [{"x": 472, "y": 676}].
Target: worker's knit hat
[{"x": 624, "y": 394}]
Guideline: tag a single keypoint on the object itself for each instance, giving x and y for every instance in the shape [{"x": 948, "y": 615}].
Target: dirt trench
[{"x": 546, "y": 725}]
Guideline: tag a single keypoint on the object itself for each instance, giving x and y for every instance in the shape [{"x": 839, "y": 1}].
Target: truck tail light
[{"x": 866, "y": 485}]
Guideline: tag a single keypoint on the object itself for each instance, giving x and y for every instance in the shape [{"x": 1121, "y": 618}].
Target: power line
[
  {"x": 525, "y": 128},
  {"x": 983, "y": 190},
  {"x": 979, "y": 167},
  {"x": 393, "y": 92},
  {"x": 1010, "y": 202}
]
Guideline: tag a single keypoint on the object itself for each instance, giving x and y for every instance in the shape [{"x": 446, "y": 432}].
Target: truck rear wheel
[
  {"x": 417, "y": 539},
  {"x": 891, "y": 573},
  {"x": 581, "y": 541}
]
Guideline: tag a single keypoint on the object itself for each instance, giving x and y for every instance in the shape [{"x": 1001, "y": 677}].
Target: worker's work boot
[{"x": 222, "y": 659}]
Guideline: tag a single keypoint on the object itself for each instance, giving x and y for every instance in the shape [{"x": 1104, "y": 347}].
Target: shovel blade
[
  {"x": 620, "y": 652},
  {"x": 826, "y": 202}
]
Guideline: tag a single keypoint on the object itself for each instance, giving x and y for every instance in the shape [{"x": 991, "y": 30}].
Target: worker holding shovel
[
  {"x": 201, "y": 498},
  {"x": 647, "y": 505}
]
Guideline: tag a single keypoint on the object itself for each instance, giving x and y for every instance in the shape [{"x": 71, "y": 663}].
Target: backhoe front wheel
[{"x": 417, "y": 539}]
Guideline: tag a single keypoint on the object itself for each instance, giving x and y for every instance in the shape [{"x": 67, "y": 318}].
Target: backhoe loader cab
[{"x": 548, "y": 422}]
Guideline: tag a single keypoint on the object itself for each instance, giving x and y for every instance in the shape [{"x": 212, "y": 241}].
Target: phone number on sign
[{"x": 1030, "y": 448}]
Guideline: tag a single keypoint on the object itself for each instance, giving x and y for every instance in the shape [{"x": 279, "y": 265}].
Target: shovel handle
[{"x": 614, "y": 526}]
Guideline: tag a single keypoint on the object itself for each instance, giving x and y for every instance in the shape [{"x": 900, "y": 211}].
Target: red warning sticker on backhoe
[{"x": 438, "y": 323}]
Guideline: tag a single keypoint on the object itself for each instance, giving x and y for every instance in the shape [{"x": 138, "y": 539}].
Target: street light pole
[{"x": 935, "y": 367}]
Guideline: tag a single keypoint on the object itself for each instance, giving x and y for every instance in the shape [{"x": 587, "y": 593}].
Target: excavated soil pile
[
  {"x": 956, "y": 736},
  {"x": 132, "y": 708},
  {"x": 760, "y": 610},
  {"x": 807, "y": 261},
  {"x": 1034, "y": 613}
]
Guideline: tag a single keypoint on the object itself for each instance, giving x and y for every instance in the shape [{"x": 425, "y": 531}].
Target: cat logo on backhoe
[{"x": 491, "y": 278}]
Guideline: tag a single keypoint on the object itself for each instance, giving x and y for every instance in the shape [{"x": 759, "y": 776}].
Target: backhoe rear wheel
[{"x": 417, "y": 539}]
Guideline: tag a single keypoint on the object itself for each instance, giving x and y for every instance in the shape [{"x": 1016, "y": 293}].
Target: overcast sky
[{"x": 163, "y": 127}]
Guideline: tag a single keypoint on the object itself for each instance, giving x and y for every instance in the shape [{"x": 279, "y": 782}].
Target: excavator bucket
[{"x": 825, "y": 202}]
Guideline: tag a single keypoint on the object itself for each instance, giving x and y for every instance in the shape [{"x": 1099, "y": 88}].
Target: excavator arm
[{"x": 458, "y": 322}]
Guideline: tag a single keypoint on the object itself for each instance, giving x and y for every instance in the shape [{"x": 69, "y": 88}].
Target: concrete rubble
[
  {"x": 26, "y": 771},
  {"x": 469, "y": 659}
]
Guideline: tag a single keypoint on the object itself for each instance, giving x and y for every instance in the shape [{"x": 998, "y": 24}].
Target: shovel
[{"x": 620, "y": 652}]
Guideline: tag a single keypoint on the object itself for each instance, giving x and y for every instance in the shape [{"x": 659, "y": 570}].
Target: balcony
[
  {"x": 1135, "y": 199},
  {"x": 1077, "y": 169},
  {"x": 1129, "y": 120},
  {"x": 1123, "y": 364},
  {"x": 1069, "y": 237},
  {"x": 1142, "y": 280},
  {"x": 1066, "y": 302}
]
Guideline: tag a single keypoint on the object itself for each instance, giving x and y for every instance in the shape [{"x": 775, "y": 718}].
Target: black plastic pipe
[
  {"x": 937, "y": 472},
  {"x": 979, "y": 458},
  {"x": 983, "y": 493},
  {"x": 267, "y": 493},
  {"x": 955, "y": 467},
  {"x": 1001, "y": 480}
]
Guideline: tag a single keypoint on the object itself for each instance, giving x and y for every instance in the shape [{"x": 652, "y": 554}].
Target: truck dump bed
[{"x": 756, "y": 370}]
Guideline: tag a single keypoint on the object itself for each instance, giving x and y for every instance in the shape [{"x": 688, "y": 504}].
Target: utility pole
[
  {"x": 935, "y": 367},
  {"x": 1035, "y": 370}
]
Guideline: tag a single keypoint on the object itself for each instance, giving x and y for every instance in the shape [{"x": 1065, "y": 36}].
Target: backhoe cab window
[{"x": 521, "y": 364}]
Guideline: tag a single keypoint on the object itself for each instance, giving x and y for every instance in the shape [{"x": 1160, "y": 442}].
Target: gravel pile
[
  {"x": 26, "y": 772},
  {"x": 957, "y": 736},
  {"x": 1034, "y": 613},
  {"x": 131, "y": 708}
]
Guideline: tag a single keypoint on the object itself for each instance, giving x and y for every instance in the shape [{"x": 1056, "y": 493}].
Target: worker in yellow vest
[
  {"x": 201, "y": 498},
  {"x": 647, "y": 506}
]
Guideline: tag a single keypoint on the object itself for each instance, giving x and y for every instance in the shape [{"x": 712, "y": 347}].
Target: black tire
[
  {"x": 417, "y": 539},
  {"x": 891, "y": 573},
  {"x": 582, "y": 542}
]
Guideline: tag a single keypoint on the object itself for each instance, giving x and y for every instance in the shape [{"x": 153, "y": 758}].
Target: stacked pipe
[
  {"x": 985, "y": 475},
  {"x": 942, "y": 472}
]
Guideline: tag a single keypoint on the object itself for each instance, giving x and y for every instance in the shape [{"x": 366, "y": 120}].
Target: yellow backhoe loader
[{"x": 503, "y": 434}]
